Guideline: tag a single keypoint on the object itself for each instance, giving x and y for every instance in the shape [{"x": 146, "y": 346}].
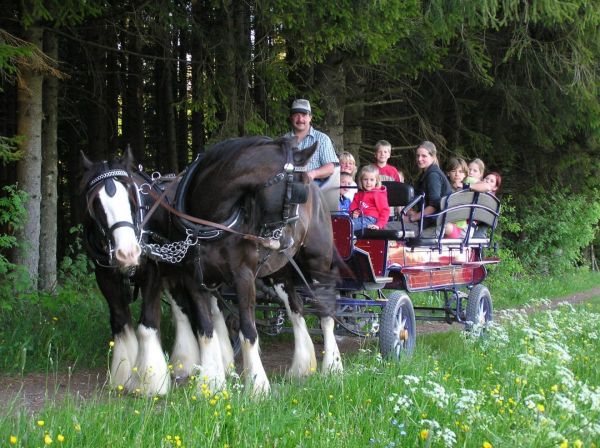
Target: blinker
[
  {"x": 299, "y": 193},
  {"x": 110, "y": 187}
]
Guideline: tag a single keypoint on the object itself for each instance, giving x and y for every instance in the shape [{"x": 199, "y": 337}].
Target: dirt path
[{"x": 30, "y": 392}]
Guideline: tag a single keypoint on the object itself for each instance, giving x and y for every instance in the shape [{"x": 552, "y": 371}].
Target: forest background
[{"x": 514, "y": 83}]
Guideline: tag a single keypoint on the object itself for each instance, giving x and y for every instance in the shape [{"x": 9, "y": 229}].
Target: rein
[{"x": 159, "y": 201}]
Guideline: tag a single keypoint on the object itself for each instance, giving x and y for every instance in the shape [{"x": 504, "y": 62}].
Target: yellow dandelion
[
  {"x": 170, "y": 367},
  {"x": 424, "y": 434},
  {"x": 136, "y": 412},
  {"x": 120, "y": 387},
  {"x": 60, "y": 438},
  {"x": 13, "y": 440},
  {"x": 331, "y": 396},
  {"x": 313, "y": 369},
  {"x": 48, "y": 439},
  {"x": 194, "y": 398},
  {"x": 55, "y": 319},
  {"x": 180, "y": 365},
  {"x": 216, "y": 413},
  {"x": 77, "y": 427},
  {"x": 111, "y": 344},
  {"x": 213, "y": 402},
  {"x": 294, "y": 401},
  {"x": 564, "y": 444},
  {"x": 168, "y": 437},
  {"x": 487, "y": 444},
  {"x": 578, "y": 443},
  {"x": 134, "y": 369},
  {"x": 554, "y": 388},
  {"x": 307, "y": 433},
  {"x": 540, "y": 407},
  {"x": 41, "y": 423}
]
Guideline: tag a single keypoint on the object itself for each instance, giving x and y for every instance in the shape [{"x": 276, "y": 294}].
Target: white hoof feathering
[
  {"x": 305, "y": 360},
  {"x": 123, "y": 357},
  {"x": 186, "y": 352},
  {"x": 254, "y": 372},
  {"x": 211, "y": 371},
  {"x": 223, "y": 333},
  {"x": 332, "y": 361},
  {"x": 151, "y": 374}
]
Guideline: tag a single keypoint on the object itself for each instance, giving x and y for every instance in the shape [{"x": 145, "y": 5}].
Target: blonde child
[
  {"x": 370, "y": 208},
  {"x": 476, "y": 170},
  {"x": 347, "y": 163},
  {"x": 457, "y": 173},
  {"x": 383, "y": 151}
]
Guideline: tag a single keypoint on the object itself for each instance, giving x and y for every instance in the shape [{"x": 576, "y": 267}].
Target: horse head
[
  {"x": 109, "y": 204},
  {"x": 277, "y": 200}
]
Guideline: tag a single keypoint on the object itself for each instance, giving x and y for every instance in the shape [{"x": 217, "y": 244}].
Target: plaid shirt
[{"x": 325, "y": 153}]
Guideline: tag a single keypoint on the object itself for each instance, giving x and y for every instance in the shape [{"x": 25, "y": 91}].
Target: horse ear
[
  {"x": 301, "y": 157},
  {"x": 87, "y": 163},
  {"x": 128, "y": 157}
]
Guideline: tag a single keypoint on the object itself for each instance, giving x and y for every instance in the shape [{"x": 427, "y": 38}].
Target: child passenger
[
  {"x": 370, "y": 207},
  {"x": 345, "y": 200},
  {"x": 348, "y": 165},
  {"x": 383, "y": 151},
  {"x": 476, "y": 170},
  {"x": 457, "y": 172}
]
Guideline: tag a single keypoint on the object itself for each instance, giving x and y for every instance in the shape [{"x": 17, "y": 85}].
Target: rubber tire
[
  {"x": 479, "y": 307},
  {"x": 398, "y": 315}
]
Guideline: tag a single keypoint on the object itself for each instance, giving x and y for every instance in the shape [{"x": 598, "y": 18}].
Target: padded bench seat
[
  {"x": 384, "y": 234},
  {"x": 446, "y": 242}
]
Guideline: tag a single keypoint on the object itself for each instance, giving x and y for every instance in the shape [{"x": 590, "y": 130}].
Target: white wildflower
[
  {"x": 565, "y": 404},
  {"x": 529, "y": 360}
]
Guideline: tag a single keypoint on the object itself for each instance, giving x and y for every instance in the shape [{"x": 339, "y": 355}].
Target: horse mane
[{"x": 218, "y": 152}]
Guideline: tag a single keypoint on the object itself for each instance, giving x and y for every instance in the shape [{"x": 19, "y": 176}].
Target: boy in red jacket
[{"x": 370, "y": 208}]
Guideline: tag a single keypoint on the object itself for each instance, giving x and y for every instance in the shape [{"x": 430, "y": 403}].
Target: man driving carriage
[{"x": 323, "y": 163}]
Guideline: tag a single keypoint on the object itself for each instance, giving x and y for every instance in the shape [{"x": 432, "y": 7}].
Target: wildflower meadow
[{"x": 526, "y": 381}]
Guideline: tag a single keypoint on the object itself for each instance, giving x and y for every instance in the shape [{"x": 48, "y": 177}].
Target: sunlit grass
[{"x": 531, "y": 381}]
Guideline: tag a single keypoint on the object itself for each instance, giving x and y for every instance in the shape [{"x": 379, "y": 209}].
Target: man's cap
[{"x": 302, "y": 106}]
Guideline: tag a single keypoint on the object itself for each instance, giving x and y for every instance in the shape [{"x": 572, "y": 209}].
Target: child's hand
[{"x": 373, "y": 226}]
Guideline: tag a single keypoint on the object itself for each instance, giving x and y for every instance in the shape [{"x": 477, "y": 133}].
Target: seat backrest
[
  {"x": 398, "y": 193},
  {"x": 482, "y": 208},
  {"x": 331, "y": 191}
]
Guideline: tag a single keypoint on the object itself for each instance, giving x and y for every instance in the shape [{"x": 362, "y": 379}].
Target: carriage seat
[
  {"x": 480, "y": 210},
  {"x": 399, "y": 195}
]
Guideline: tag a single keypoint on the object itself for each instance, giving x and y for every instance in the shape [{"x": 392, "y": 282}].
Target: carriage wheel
[
  {"x": 479, "y": 308},
  {"x": 398, "y": 329}
]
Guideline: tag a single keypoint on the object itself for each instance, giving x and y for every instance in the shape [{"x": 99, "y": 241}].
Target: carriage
[
  {"x": 381, "y": 268},
  {"x": 271, "y": 227}
]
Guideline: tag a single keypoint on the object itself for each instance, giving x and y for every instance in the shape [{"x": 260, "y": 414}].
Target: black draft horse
[
  {"x": 116, "y": 207},
  {"x": 253, "y": 184}
]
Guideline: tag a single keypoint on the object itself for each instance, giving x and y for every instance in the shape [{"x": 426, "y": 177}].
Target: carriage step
[{"x": 383, "y": 280}]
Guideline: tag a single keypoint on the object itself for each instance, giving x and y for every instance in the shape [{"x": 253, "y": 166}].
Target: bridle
[
  {"x": 295, "y": 194},
  {"x": 107, "y": 179}
]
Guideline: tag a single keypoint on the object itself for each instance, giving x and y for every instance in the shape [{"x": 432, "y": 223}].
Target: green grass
[{"x": 531, "y": 381}]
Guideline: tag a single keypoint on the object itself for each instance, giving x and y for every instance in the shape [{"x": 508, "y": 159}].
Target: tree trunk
[
  {"x": 29, "y": 168},
  {"x": 198, "y": 62},
  {"x": 48, "y": 211},
  {"x": 183, "y": 100},
  {"x": 133, "y": 110},
  {"x": 331, "y": 83},
  {"x": 354, "y": 113}
]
